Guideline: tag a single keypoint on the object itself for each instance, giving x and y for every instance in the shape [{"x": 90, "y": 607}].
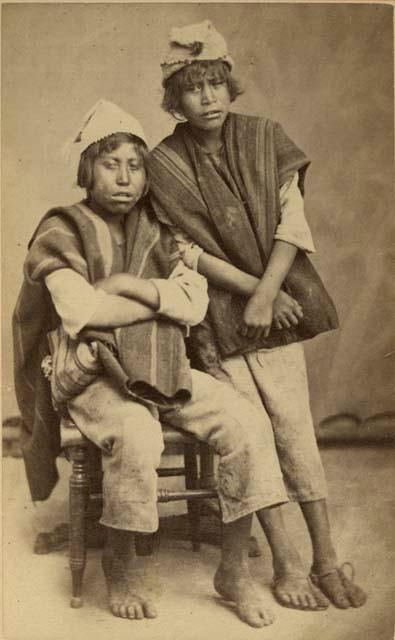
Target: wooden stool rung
[{"x": 188, "y": 494}]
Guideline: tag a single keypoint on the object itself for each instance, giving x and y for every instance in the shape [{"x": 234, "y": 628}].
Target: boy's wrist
[
  {"x": 126, "y": 284},
  {"x": 267, "y": 293}
]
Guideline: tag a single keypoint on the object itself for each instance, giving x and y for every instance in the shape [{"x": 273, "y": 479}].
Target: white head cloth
[
  {"x": 191, "y": 43},
  {"x": 104, "y": 119}
]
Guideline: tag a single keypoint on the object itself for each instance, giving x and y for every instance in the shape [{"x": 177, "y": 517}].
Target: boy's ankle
[
  {"x": 290, "y": 566},
  {"x": 324, "y": 565}
]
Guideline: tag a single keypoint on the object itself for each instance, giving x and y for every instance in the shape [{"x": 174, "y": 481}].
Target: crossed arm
[
  {"x": 267, "y": 303},
  {"x": 129, "y": 300},
  {"x": 124, "y": 299}
]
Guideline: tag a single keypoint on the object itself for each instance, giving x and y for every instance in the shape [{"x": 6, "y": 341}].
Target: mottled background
[{"x": 323, "y": 70}]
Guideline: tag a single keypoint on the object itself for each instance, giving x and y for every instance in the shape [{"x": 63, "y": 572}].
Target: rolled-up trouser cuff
[
  {"x": 251, "y": 505},
  {"x": 131, "y": 516},
  {"x": 312, "y": 496}
]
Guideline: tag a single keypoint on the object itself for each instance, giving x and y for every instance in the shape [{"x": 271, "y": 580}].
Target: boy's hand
[
  {"x": 261, "y": 311},
  {"x": 116, "y": 284},
  {"x": 258, "y": 316},
  {"x": 286, "y": 311}
]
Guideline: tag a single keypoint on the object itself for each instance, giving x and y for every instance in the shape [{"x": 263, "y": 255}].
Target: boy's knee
[
  {"x": 138, "y": 435},
  {"x": 230, "y": 438}
]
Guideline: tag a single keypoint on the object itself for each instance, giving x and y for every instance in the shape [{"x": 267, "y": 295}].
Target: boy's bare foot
[
  {"x": 341, "y": 590},
  {"x": 291, "y": 587},
  {"x": 297, "y": 592},
  {"x": 236, "y": 584},
  {"x": 128, "y": 595}
]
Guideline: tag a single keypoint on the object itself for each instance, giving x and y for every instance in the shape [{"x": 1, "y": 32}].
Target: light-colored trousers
[
  {"x": 130, "y": 436},
  {"x": 275, "y": 380}
]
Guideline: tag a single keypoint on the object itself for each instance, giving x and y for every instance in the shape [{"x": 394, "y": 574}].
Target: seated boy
[{"x": 105, "y": 276}]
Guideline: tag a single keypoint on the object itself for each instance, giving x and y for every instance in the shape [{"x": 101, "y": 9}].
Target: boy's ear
[{"x": 177, "y": 115}]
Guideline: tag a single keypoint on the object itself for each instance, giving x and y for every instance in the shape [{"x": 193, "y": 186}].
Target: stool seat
[{"x": 70, "y": 435}]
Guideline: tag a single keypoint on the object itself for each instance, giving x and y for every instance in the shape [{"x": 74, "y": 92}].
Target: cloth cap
[
  {"x": 191, "y": 43},
  {"x": 104, "y": 119}
]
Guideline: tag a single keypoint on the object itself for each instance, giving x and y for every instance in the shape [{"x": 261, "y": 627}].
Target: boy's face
[
  {"x": 118, "y": 179},
  {"x": 205, "y": 105}
]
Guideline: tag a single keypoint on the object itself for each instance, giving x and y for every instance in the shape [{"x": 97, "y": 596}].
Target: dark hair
[
  {"x": 106, "y": 145},
  {"x": 193, "y": 74}
]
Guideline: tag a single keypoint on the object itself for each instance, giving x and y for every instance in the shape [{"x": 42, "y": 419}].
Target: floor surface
[{"x": 37, "y": 588}]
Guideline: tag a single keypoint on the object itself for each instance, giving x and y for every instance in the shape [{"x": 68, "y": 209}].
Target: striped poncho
[
  {"x": 147, "y": 359},
  {"x": 233, "y": 214}
]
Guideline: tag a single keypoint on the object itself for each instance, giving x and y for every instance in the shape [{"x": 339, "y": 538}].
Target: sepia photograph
[{"x": 198, "y": 336}]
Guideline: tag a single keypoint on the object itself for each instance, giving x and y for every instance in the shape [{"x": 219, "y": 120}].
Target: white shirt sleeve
[
  {"x": 293, "y": 226},
  {"x": 183, "y": 296},
  {"x": 75, "y": 299}
]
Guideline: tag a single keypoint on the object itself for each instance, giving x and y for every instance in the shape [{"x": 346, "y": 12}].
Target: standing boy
[{"x": 230, "y": 186}]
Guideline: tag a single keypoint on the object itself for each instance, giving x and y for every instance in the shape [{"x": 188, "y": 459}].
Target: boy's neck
[
  {"x": 112, "y": 219},
  {"x": 210, "y": 140}
]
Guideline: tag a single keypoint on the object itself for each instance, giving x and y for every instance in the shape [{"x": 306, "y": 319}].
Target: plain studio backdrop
[{"x": 324, "y": 71}]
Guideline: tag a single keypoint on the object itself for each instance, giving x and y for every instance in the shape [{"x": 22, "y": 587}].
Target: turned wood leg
[
  {"x": 94, "y": 531},
  {"x": 192, "y": 482},
  {"x": 207, "y": 479},
  {"x": 79, "y": 488}
]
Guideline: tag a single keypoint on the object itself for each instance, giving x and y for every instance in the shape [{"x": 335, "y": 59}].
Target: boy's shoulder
[
  {"x": 58, "y": 219},
  {"x": 252, "y": 119},
  {"x": 173, "y": 141}
]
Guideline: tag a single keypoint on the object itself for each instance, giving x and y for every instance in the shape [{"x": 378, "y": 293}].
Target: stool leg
[
  {"x": 94, "y": 531},
  {"x": 192, "y": 482},
  {"x": 207, "y": 479},
  {"x": 79, "y": 487}
]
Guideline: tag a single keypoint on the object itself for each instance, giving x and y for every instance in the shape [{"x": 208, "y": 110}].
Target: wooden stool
[{"x": 86, "y": 492}]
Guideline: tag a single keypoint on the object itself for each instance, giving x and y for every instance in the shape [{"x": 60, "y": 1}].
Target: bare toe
[
  {"x": 237, "y": 585},
  {"x": 255, "y": 616},
  {"x": 332, "y": 586},
  {"x": 356, "y": 596},
  {"x": 295, "y": 601},
  {"x": 321, "y": 600},
  {"x": 283, "y": 597},
  {"x": 123, "y": 612},
  {"x": 128, "y": 593},
  {"x": 268, "y": 616},
  {"x": 138, "y": 610},
  {"x": 304, "y": 603},
  {"x": 311, "y": 602},
  {"x": 150, "y": 610},
  {"x": 297, "y": 592}
]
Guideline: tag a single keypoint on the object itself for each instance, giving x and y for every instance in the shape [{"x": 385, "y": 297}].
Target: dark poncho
[{"x": 236, "y": 220}]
